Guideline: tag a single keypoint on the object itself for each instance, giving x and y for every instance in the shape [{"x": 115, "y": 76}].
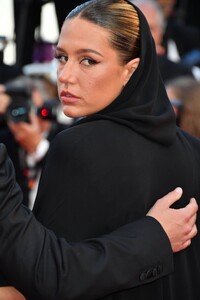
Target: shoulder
[
  {"x": 97, "y": 130},
  {"x": 88, "y": 139}
]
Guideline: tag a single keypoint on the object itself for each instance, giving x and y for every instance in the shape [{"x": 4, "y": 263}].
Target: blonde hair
[{"x": 119, "y": 18}]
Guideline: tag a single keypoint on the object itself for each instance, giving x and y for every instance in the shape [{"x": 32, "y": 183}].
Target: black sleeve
[
  {"x": 3, "y": 281},
  {"x": 43, "y": 267}
]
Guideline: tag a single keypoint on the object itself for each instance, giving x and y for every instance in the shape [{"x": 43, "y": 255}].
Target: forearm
[{"x": 44, "y": 267}]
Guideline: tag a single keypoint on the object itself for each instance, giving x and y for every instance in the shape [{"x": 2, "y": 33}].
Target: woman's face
[{"x": 90, "y": 75}]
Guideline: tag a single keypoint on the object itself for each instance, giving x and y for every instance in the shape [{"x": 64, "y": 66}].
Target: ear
[{"x": 130, "y": 68}]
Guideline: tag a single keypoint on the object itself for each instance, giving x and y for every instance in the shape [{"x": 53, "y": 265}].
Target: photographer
[{"x": 31, "y": 124}]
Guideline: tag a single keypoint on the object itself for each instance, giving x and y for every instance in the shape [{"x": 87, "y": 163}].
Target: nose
[{"x": 66, "y": 73}]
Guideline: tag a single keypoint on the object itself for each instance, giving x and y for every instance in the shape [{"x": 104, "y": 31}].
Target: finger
[
  {"x": 191, "y": 208},
  {"x": 181, "y": 246},
  {"x": 193, "y": 232},
  {"x": 192, "y": 220},
  {"x": 172, "y": 197},
  {"x": 188, "y": 240},
  {"x": 185, "y": 245},
  {"x": 193, "y": 201},
  {"x": 33, "y": 118}
]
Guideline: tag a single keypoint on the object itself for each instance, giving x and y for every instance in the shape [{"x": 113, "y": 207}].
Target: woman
[{"x": 111, "y": 161}]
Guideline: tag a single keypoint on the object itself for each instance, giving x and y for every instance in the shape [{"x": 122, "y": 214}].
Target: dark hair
[{"x": 120, "y": 18}]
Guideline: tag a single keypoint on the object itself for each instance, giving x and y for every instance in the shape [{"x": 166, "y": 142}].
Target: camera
[
  {"x": 49, "y": 110},
  {"x": 20, "y": 106}
]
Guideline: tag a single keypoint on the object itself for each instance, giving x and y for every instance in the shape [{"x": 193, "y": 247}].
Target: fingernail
[
  {"x": 193, "y": 199},
  {"x": 179, "y": 190}
]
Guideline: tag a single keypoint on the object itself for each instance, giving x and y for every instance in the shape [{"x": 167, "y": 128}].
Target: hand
[
  {"x": 28, "y": 135},
  {"x": 10, "y": 293},
  {"x": 179, "y": 224}
]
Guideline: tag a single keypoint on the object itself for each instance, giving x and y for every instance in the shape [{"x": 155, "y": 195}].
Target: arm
[{"x": 42, "y": 266}]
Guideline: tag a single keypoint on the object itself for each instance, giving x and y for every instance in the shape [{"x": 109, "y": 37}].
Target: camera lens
[{"x": 18, "y": 112}]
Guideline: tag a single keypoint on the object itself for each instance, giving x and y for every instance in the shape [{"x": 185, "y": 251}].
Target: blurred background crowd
[{"x": 30, "y": 112}]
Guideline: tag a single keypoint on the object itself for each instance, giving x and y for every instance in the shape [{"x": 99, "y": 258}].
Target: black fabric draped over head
[{"x": 143, "y": 104}]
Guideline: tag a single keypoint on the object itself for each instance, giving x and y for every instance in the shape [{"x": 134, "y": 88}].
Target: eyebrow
[{"x": 84, "y": 50}]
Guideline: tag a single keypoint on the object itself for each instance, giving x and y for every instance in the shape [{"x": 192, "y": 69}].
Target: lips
[
  {"x": 67, "y": 94},
  {"x": 67, "y": 97}
]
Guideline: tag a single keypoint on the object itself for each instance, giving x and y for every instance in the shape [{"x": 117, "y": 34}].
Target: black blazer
[{"x": 43, "y": 266}]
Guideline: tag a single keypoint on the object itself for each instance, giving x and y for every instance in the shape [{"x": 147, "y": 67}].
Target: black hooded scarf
[
  {"x": 143, "y": 104},
  {"x": 109, "y": 168}
]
